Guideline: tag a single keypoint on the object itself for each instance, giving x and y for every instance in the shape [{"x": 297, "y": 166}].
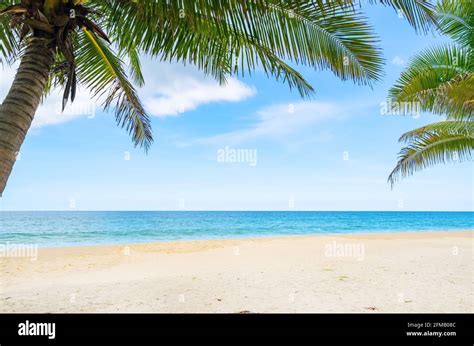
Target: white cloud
[
  {"x": 49, "y": 112},
  {"x": 281, "y": 120},
  {"x": 172, "y": 89},
  {"x": 6, "y": 78},
  {"x": 398, "y": 61}
]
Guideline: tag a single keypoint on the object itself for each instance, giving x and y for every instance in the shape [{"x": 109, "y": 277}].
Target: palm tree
[
  {"x": 63, "y": 43},
  {"x": 441, "y": 81}
]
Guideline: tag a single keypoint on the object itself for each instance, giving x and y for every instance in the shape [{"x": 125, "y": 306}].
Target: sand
[{"x": 392, "y": 272}]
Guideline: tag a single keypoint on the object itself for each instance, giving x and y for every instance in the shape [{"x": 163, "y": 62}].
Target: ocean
[{"x": 73, "y": 228}]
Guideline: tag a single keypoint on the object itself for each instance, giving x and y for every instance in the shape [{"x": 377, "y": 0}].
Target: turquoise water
[{"x": 89, "y": 228}]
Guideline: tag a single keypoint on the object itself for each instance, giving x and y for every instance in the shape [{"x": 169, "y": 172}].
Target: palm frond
[
  {"x": 420, "y": 14},
  {"x": 453, "y": 127},
  {"x": 102, "y": 72},
  {"x": 214, "y": 35},
  {"x": 438, "y": 144},
  {"x": 135, "y": 67},
  {"x": 9, "y": 38},
  {"x": 441, "y": 80},
  {"x": 456, "y": 19}
]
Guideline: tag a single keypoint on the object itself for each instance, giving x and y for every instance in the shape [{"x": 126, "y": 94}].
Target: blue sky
[{"x": 333, "y": 152}]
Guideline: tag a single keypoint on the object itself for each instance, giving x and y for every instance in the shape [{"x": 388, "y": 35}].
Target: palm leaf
[
  {"x": 9, "y": 38},
  {"x": 223, "y": 37},
  {"x": 102, "y": 72},
  {"x": 456, "y": 19},
  {"x": 441, "y": 80},
  {"x": 419, "y": 13},
  {"x": 454, "y": 127},
  {"x": 135, "y": 67},
  {"x": 433, "y": 144}
]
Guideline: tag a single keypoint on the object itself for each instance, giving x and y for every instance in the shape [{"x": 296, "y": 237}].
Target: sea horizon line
[{"x": 234, "y": 211}]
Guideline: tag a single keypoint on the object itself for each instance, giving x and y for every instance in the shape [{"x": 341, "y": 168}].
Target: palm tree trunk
[{"x": 20, "y": 105}]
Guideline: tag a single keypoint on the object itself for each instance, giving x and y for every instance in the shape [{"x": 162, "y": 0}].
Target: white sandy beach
[{"x": 397, "y": 272}]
